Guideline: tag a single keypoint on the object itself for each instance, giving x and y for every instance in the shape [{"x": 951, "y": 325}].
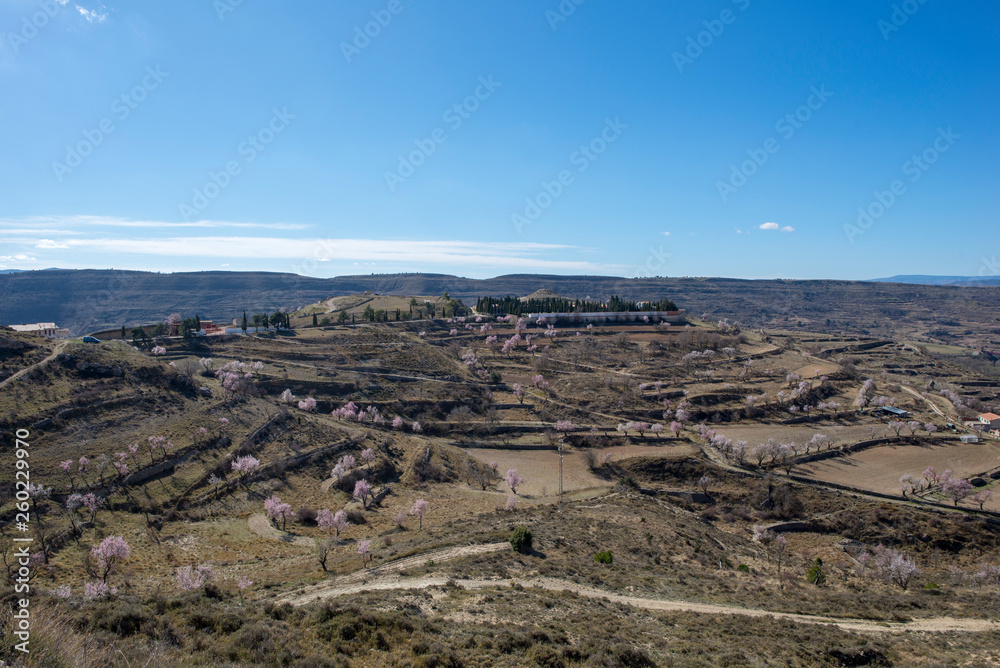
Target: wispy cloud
[
  {"x": 91, "y": 15},
  {"x": 49, "y": 243},
  {"x": 787, "y": 228},
  {"x": 770, "y": 226},
  {"x": 111, "y": 221},
  {"x": 17, "y": 258},
  {"x": 419, "y": 253}
]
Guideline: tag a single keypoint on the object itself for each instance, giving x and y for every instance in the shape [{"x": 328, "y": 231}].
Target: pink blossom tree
[
  {"x": 361, "y": 491},
  {"x": 276, "y": 509},
  {"x": 513, "y": 480},
  {"x": 419, "y": 509},
  {"x": 242, "y": 584},
  {"x": 518, "y": 392},
  {"x": 308, "y": 404},
  {"x": 193, "y": 577},
  {"x": 676, "y": 427},
  {"x": 981, "y": 497},
  {"x": 107, "y": 556},
  {"x": 368, "y": 456},
  {"x": 245, "y": 466},
  {"x": 956, "y": 489},
  {"x": 565, "y": 426},
  {"x": 333, "y": 521},
  {"x": 364, "y": 545}
]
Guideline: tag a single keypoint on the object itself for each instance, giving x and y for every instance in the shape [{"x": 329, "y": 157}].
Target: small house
[
  {"x": 46, "y": 329},
  {"x": 991, "y": 420},
  {"x": 969, "y": 438},
  {"x": 892, "y": 412}
]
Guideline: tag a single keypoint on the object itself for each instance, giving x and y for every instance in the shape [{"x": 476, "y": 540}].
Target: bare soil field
[
  {"x": 800, "y": 433},
  {"x": 541, "y": 467},
  {"x": 878, "y": 469}
]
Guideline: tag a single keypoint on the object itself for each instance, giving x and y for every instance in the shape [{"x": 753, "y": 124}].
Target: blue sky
[{"x": 725, "y": 138}]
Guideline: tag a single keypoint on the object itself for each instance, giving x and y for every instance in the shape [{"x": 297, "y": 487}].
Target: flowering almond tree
[
  {"x": 276, "y": 509},
  {"x": 193, "y": 577},
  {"x": 332, "y": 521},
  {"x": 513, "y": 480},
  {"x": 420, "y": 509},
  {"x": 364, "y": 545},
  {"x": 361, "y": 491},
  {"x": 245, "y": 466},
  {"x": 107, "y": 556}
]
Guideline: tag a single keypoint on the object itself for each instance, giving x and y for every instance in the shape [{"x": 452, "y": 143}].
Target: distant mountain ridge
[
  {"x": 921, "y": 279},
  {"x": 89, "y": 300}
]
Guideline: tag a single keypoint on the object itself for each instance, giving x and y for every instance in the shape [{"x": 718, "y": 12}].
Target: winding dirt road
[
  {"x": 55, "y": 352},
  {"x": 380, "y": 580}
]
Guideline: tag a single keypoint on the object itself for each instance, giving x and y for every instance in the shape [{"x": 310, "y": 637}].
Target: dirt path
[
  {"x": 933, "y": 406},
  {"x": 387, "y": 573},
  {"x": 260, "y": 525},
  {"x": 342, "y": 587},
  {"x": 58, "y": 349}
]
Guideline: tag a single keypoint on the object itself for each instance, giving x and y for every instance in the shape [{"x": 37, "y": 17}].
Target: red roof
[{"x": 990, "y": 416}]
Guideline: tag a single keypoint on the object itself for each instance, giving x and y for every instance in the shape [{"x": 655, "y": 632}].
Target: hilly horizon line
[{"x": 909, "y": 279}]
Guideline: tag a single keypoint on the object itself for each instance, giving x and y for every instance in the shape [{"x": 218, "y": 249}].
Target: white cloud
[
  {"x": 17, "y": 258},
  {"x": 113, "y": 221},
  {"x": 499, "y": 254},
  {"x": 666, "y": 234},
  {"x": 91, "y": 14},
  {"x": 769, "y": 226},
  {"x": 787, "y": 228},
  {"x": 49, "y": 243},
  {"x": 739, "y": 231}
]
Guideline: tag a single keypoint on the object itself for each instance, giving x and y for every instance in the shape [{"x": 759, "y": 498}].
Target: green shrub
[
  {"x": 815, "y": 575},
  {"x": 604, "y": 557},
  {"x": 743, "y": 568},
  {"x": 520, "y": 540}
]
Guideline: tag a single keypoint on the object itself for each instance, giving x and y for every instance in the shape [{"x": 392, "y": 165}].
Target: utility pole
[{"x": 560, "y": 473}]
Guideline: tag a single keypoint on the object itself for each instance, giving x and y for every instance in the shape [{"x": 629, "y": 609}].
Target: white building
[
  {"x": 673, "y": 317},
  {"x": 46, "y": 329},
  {"x": 991, "y": 420}
]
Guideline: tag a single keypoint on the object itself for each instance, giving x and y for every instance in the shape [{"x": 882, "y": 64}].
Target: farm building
[
  {"x": 991, "y": 420},
  {"x": 892, "y": 412},
  {"x": 46, "y": 329},
  {"x": 969, "y": 438}
]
